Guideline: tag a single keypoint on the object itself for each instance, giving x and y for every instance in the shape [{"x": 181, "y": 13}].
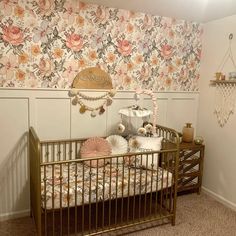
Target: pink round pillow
[{"x": 95, "y": 147}]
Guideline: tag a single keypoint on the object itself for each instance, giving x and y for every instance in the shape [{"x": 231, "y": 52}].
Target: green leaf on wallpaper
[
  {"x": 109, "y": 38},
  {"x": 45, "y": 50},
  {"x": 20, "y": 47},
  {"x": 55, "y": 32}
]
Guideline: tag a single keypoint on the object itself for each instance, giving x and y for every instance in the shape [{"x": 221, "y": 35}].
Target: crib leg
[
  {"x": 31, "y": 213},
  {"x": 173, "y": 221}
]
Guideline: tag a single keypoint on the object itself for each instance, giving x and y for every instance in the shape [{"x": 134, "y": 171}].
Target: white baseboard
[
  {"x": 219, "y": 198},
  {"x": 14, "y": 215}
]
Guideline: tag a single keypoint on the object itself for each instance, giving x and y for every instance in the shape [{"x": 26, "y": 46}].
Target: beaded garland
[{"x": 78, "y": 97}]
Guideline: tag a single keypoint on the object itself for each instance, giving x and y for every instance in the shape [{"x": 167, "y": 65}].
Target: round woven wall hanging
[{"x": 92, "y": 78}]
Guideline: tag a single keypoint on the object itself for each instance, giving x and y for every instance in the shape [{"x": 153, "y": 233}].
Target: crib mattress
[{"x": 62, "y": 186}]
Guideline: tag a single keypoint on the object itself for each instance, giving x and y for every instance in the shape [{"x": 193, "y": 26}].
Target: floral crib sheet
[{"x": 104, "y": 183}]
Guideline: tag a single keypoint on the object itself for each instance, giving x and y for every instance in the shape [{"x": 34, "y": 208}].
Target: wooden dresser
[{"x": 190, "y": 167}]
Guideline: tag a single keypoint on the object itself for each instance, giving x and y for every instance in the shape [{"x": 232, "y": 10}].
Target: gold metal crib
[{"x": 69, "y": 197}]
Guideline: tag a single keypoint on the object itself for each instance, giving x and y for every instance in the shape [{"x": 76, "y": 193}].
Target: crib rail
[{"x": 74, "y": 196}]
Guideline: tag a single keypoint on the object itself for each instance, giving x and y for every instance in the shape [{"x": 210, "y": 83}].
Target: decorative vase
[{"x": 188, "y": 131}]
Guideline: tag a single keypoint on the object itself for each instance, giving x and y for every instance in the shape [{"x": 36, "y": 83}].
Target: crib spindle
[
  {"x": 135, "y": 172},
  {"x": 53, "y": 194},
  {"x": 96, "y": 220},
  {"x": 150, "y": 205},
  {"x": 109, "y": 213},
  {"x": 140, "y": 186},
  {"x": 76, "y": 186}
]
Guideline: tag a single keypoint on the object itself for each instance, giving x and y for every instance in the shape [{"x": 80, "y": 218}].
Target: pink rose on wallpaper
[
  {"x": 46, "y": 7},
  {"x": 46, "y": 67},
  {"x": 13, "y": 35},
  {"x": 74, "y": 42},
  {"x": 166, "y": 51},
  {"x": 124, "y": 47}
]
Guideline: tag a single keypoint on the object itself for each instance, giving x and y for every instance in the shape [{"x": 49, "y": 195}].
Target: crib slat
[
  {"x": 150, "y": 206},
  {"x": 140, "y": 186},
  {"x": 109, "y": 217},
  {"x": 90, "y": 182},
  {"x": 128, "y": 203},
  {"x": 172, "y": 181},
  {"x": 45, "y": 200},
  {"x": 68, "y": 199},
  {"x": 135, "y": 160},
  {"x": 103, "y": 195},
  {"x": 61, "y": 223},
  {"x": 145, "y": 201},
  {"x": 122, "y": 192},
  {"x": 167, "y": 182},
  {"x": 83, "y": 198},
  {"x": 157, "y": 187},
  {"x": 96, "y": 220},
  {"x": 53, "y": 152},
  {"x": 117, "y": 172},
  {"x": 53, "y": 210},
  {"x": 162, "y": 174},
  {"x": 76, "y": 213}
]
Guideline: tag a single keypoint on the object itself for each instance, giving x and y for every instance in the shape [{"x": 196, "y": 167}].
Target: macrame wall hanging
[
  {"x": 225, "y": 95},
  {"x": 92, "y": 78},
  {"x": 224, "y": 101}
]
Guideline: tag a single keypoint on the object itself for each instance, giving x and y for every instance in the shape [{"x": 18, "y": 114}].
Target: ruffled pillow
[
  {"x": 119, "y": 145},
  {"x": 95, "y": 147}
]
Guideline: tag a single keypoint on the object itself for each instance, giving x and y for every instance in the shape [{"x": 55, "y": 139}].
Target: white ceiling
[{"x": 193, "y": 10}]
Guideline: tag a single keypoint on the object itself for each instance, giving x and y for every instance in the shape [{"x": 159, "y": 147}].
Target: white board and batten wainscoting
[{"x": 53, "y": 116}]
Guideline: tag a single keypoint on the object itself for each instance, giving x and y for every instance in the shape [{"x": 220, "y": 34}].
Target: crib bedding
[{"x": 63, "y": 181}]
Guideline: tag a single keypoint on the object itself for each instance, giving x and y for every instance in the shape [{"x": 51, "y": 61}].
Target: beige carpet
[{"x": 196, "y": 215}]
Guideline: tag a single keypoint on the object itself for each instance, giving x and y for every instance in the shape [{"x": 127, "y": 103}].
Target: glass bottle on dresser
[{"x": 188, "y": 132}]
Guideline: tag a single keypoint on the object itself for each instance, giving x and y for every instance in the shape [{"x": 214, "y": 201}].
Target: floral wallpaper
[{"x": 45, "y": 43}]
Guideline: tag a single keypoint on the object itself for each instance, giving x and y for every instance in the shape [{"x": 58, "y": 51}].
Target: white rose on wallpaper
[
  {"x": 31, "y": 81},
  {"x": 144, "y": 45},
  {"x": 9, "y": 66},
  {"x": 71, "y": 68},
  {"x": 41, "y": 32},
  {"x": 98, "y": 38}
]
